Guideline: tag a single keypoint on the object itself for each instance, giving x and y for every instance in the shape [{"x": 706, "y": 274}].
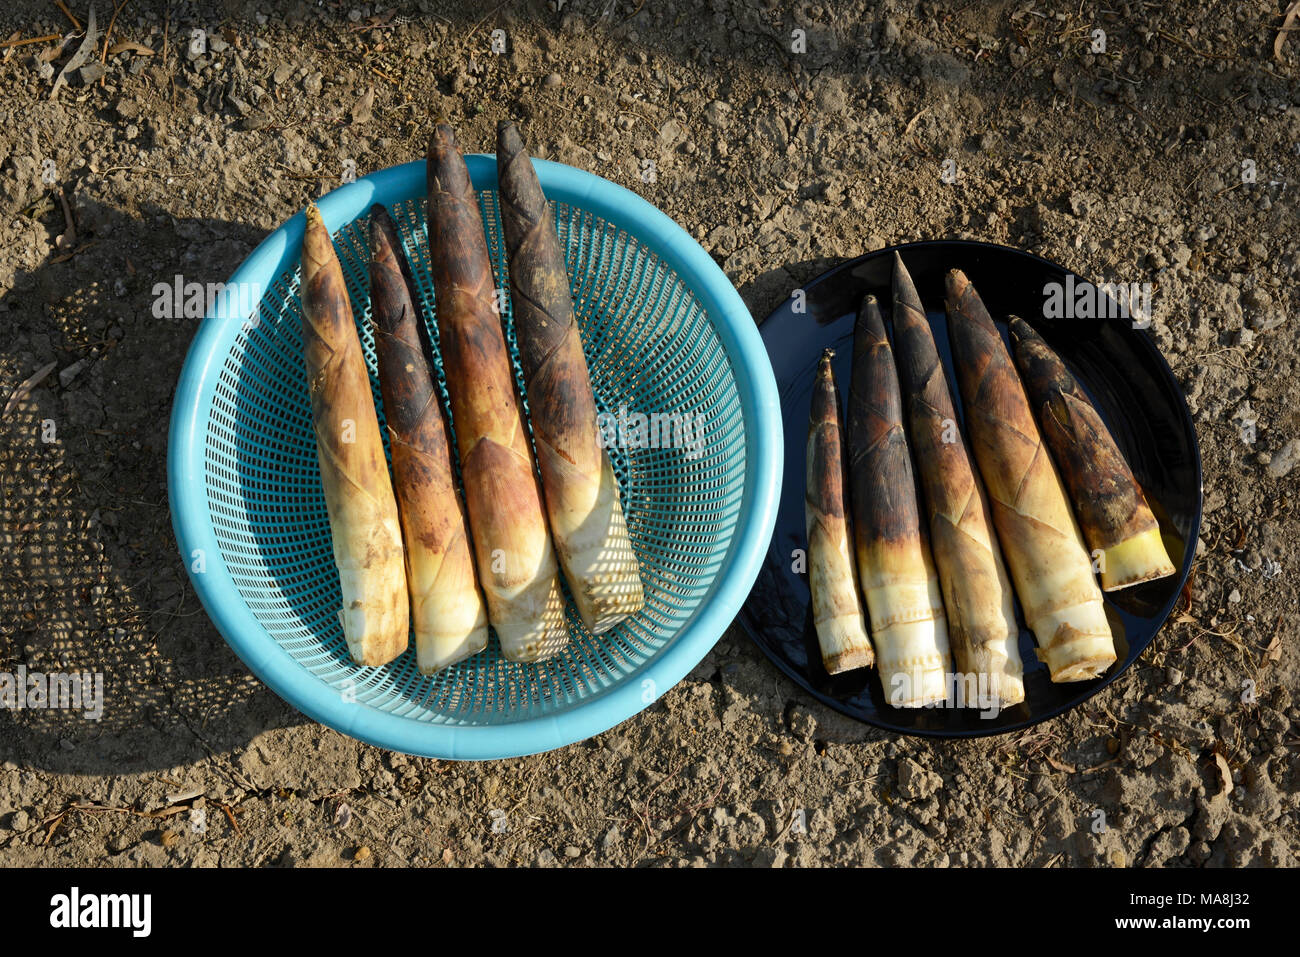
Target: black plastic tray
[{"x": 1123, "y": 372}]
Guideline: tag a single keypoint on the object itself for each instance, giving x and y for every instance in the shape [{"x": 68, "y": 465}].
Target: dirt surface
[{"x": 1125, "y": 165}]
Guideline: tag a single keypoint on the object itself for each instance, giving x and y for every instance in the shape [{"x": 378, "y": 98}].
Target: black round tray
[{"x": 1123, "y": 373}]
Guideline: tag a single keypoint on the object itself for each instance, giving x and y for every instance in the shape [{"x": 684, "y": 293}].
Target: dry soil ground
[{"x": 1125, "y": 164}]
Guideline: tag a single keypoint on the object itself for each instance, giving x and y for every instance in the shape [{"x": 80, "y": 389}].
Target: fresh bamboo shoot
[
  {"x": 977, "y": 594},
  {"x": 582, "y": 496},
  {"x": 837, "y": 607},
  {"x": 899, "y": 583},
  {"x": 1112, "y": 511},
  {"x": 516, "y": 562},
  {"x": 1044, "y": 550},
  {"x": 446, "y": 605},
  {"x": 367, "y": 537}
]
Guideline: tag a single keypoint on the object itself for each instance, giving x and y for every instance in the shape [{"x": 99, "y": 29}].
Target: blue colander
[{"x": 664, "y": 332}]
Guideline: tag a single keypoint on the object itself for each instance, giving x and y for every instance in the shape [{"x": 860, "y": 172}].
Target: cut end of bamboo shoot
[
  {"x": 1140, "y": 558},
  {"x": 436, "y": 650},
  {"x": 538, "y": 629},
  {"x": 913, "y": 656},
  {"x": 996, "y": 680},
  {"x": 1074, "y": 655},
  {"x": 842, "y": 645},
  {"x": 599, "y": 563}
]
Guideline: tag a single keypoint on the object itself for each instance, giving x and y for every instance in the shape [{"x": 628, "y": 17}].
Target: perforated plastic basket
[{"x": 664, "y": 332}]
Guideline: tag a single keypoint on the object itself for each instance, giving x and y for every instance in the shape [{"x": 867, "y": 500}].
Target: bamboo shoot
[
  {"x": 446, "y": 605},
  {"x": 582, "y": 496},
  {"x": 1112, "y": 511},
  {"x": 512, "y": 544},
  {"x": 367, "y": 537},
  {"x": 837, "y": 608},
  {"x": 1044, "y": 550},
  {"x": 899, "y": 583},
  {"x": 977, "y": 594}
]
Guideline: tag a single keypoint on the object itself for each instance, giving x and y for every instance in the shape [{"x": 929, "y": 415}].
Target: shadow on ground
[{"x": 90, "y": 578}]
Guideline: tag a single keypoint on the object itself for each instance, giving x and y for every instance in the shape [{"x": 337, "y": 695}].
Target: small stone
[
  {"x": 282, "y": 74},
  {"x": 1234, "y": 596},
  {"x": 362, "y": 853},
  {"x": 170, "y": 839},
  {"x": 889, "y": 33},
  {"x": 717, "y": 114},
  {"x": 546, "y": 857},
  {"x": 915, "y": 782},
  {"x": 571, "y": 851},
  {"x": 311, "y": 84},
  {"x": 91, "y": 72},
  {"x": 217, "y": 44},
  {"x": 669, "y": 134},
  {"x": 611, "y": 838},
  {"x": 552, "y": 80},
  {"x": 19, "y": 820},
  {"x": 1285, "y": 460},
  {"x": 1173, "y": 676},
  {"x": 72, "y": 371}
]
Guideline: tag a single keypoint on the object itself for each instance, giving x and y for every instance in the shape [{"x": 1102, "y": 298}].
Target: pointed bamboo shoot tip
[{"x": 442, "y": 136}]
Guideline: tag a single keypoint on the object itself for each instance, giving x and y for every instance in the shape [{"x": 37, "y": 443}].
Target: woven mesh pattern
[{"x": 651, "y": 349}]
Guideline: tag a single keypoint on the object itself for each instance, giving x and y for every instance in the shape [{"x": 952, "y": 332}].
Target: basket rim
[{"x": 275, "y": 667}]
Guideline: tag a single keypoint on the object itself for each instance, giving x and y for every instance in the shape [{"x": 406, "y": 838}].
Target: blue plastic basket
[{"x": 664, "y": 331}]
